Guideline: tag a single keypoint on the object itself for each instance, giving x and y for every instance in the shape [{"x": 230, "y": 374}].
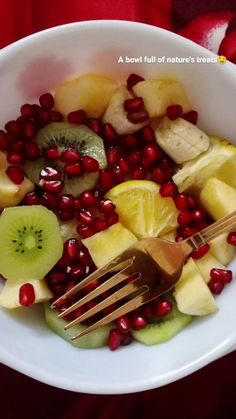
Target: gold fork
[{"x": 153, "y": 267}]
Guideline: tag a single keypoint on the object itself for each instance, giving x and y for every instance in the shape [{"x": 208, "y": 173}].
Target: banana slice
[
  {"x": 116, "y": 114},
  {"x": 180, "y": 139}
]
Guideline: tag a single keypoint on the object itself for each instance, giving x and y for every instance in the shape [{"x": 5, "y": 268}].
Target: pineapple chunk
[
  {"x": 10, "y": 193},
  {"x": 206, "y": 264},
  {"x": 108, "y": 244},
  {"x": 192, "y": 293},
  {"x": 91, "y": 92},
  {"x": 218, "y": 198},
  {"x": 222, "y": 250},
  {"x": 9, "y": 296},
  {"x": 159, "y": 94},
  {"x": 116, "y": 114}
]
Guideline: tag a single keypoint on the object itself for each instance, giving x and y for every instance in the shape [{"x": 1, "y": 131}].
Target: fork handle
[{"x": 212, "y": 231}]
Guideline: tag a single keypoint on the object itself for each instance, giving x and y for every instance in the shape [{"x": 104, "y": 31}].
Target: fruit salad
[{"x": 89, "y": 170}]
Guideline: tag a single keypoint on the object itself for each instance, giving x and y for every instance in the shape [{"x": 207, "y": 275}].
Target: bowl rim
[{"x": 31, "y": 370}]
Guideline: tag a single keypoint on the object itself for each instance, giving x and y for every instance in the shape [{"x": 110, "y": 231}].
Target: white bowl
[{"x": 35, "y": 65}]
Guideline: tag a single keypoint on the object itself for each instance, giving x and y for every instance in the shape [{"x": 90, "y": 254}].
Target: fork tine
[
  {"x": 116, "y": 296},
  {"x": 125, "y": 308},
  {"x": 109, "y": 267},
  {"x": 109, "y": 283}
]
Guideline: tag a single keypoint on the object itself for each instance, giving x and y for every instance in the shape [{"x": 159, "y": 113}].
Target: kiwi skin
[{"x": 65, "y": 135}]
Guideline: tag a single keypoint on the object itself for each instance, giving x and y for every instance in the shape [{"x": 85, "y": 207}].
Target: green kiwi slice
[
  {"x": 95, "y": 339},
  {"x": 163, "y": 329},
  {"x": 30, "y": 242},
  {"x": 65, "y": 135}
]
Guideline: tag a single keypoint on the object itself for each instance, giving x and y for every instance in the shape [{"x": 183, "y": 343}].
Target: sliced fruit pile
[{"x": 93, "y": 169}]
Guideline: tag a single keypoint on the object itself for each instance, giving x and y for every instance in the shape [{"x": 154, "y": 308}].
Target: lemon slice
[{"x": 141, "y": 208}]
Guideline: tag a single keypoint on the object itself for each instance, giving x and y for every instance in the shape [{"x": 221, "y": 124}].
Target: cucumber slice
[
  {"x": 162, "y": 330},
  {"x": 92, "y": 340}
]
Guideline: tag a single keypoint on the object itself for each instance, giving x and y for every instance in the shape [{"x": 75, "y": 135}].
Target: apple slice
[
  {"x": 206, "y": 264},
  {"x": 9, "y": 296},
  {"x": 218, "y": 198},
  {"x": 222, "y": 250}
]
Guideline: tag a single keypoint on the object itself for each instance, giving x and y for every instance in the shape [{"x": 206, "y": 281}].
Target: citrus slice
[{"x": 142, "y": 209}]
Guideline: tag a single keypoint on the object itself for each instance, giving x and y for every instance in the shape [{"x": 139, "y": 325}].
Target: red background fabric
[{"x": 210, "y": 392}]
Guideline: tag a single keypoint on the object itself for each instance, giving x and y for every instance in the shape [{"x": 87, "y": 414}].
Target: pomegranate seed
[
  {"x": 13, "y": 128},
  {"x": 71, "y": 248},
  {"x": 95, "y": 125},
  {"x": 147, "y": 134},
  {"x": 114, "y": 339},
  {"x": 198, "y": 215},
  {"x": 77, "y": 272},
  {"x": 147, "y": 310},
  {"x": 138, "y": 321},
  {"x": 174, "y": 111},
  {"x": 105, "y": 179},
  {"x": 26, "y": 295},
  {"x": 56, "y": 277},
  {"x": 157, "y": 175},
  {"x": 132, "y": 80},
  {"x": 29, "y": 130},
  {"x": 56, "y": 116},
  {"x": 224, "y": 275},
  {"x": 88, "y": 199},
  {"x": 134, "y": 104},
  {"x": 31, "y": 151},
  {"x": 16, "y": 174},
  {"x": 77, "y": 117},
  {"x": 191, "y": 116},
  {"x": 231, "y": 239},
  {"x": 111, "y": 219},
  {"x": 134, "y": 157},
  {"x": 163, "y": 308},
  {"x": 106, "y": 206},
  {"x": 63, "y": 263},
  {"x": 123, "y": 324},
  {"x": 113, "y": 155},
  {"x": 109, "y": 309},
  {"x": 66, "y": 214},
  {"x": 49, "y": 200},
  {"x": 216, "y": 287},
  {"x": 66, "y": 202},
  {"x": 36, "y": 109},
  {"x": 85, "y": 230},
  {"x": 15, "y": 158},
  {"x": 181, "y": 202},
  {"x": 91, "y": 286},
  {"x": 18, "y": 146},
  {"x": 75, "y": 313},
  {"x": 49, "y": 173},
  {"x": 83, "y": 256},
  {"x": 138, "y": 117},
  {"x": 46, "y": 101},
  {"x": 126, "y": 339},
  {"x": 70, "y": 155},
  {"x": 74, "y": 170},
  {"x": 124, "y": 165},
  {"x": 138, "y": 173},
  {"x": 165, "y": 164},
  {"x": 152, "y": 153},
  {"x": 89, "y": 164},
  {"x": 168, "y": 189},
  {"x": 77, "y": 204},
  {"x": 118, "y": 174},
  {"x": 53, "y": 186},
  {"x": 85, "y": 217},
  {"x": 168, "y": 173},
  {"x": 109, "y": 133},
  {"x": 27, "y": 111},
  {"x": 189, "y": 231},
  {"x": 51, "y": 153},
  {"x": 184, "y": 218},
  {"x": 3, "y": 140},
  {"x": 43, "y": 118},
  {"x": 31, "y": 199},
  {"x": 192, "y": 203},
  {"x": 200, "y": 252},
  {"x": 129, "y": 141},
  {"x": 99, "y": 224}
]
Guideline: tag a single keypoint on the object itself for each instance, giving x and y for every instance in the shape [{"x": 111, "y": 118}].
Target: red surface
[{"x": 206, "y": 394}]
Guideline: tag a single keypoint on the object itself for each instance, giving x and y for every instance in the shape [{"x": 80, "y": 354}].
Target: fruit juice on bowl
[{"x": 56, "y": 50}]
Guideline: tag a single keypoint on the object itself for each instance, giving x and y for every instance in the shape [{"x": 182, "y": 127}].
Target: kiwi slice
[
  {"x": 30, "y": 242},
  {"x": 163, "y": 329},
  {"x": 65, "y": 135},
  {"x": 92, "y": 340}
]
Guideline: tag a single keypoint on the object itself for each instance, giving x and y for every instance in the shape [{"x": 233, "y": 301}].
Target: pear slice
[
  {"x": 9, "y": 296},
  {"x": 222, "y": 250},
  {"x": 206, "y": 264},
  {"x": 218, "y": 198},
  {"x": 192, "y": 294}
]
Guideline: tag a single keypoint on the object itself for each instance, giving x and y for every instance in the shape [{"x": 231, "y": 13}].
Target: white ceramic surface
[{"x": 35, "y": 65}]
